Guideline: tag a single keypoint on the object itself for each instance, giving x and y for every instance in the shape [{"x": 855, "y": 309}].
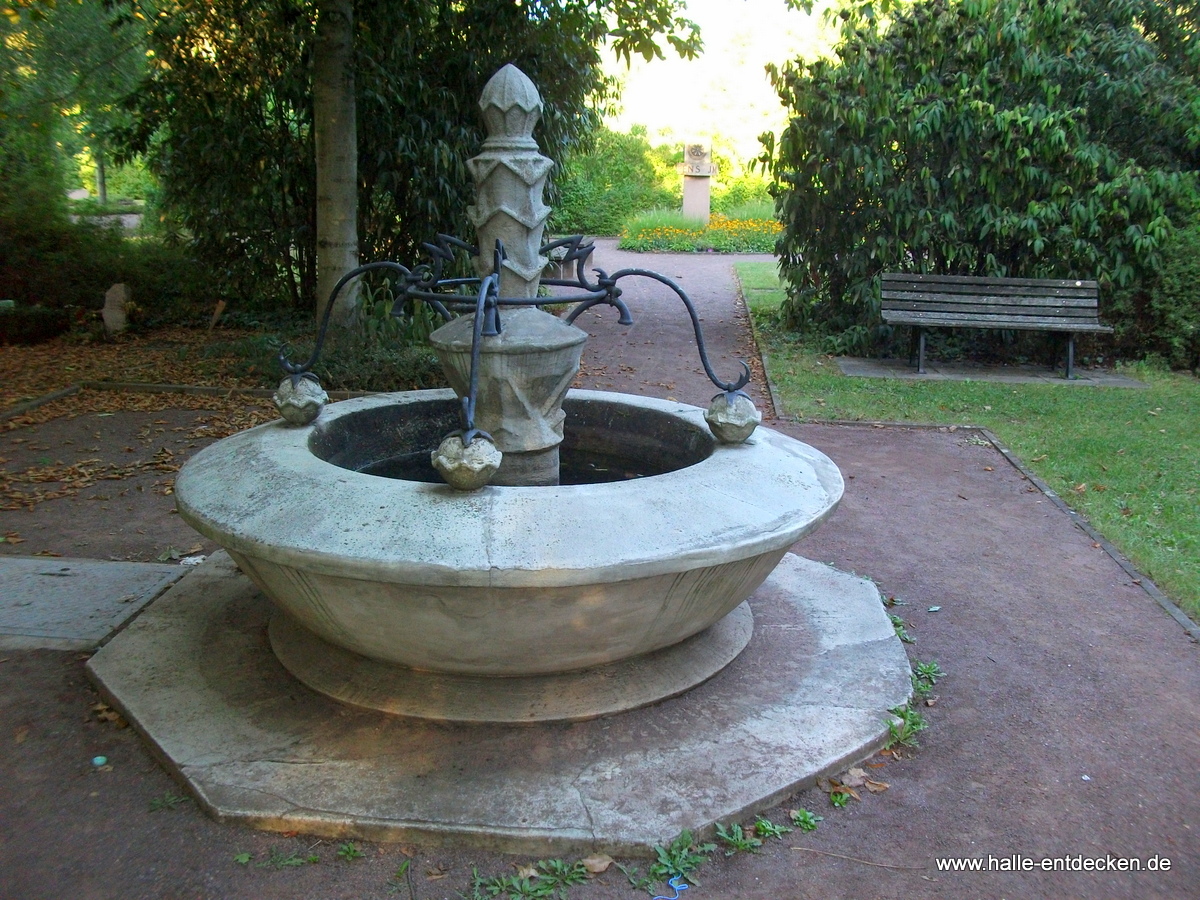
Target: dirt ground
[{"x": 1067, "y": 727}]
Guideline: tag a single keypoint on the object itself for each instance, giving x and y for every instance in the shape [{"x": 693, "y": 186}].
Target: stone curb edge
[
  {"x": 1084, "y": 525},
  {"x": 1151, "y": 589}
]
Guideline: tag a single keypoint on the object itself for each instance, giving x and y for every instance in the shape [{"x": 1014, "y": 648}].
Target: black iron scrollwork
[{"x": 447, "y": 296}]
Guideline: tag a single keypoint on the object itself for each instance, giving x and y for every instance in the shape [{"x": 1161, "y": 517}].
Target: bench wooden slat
[
  {"x": 902, "y": 299},
  {"x": 1031, "y": 323},
  {"x": 962, "y": 301},
  {"x": 971, "y": 290},
  {"x": 950, "y": 282},
  {"x": 1018, "y": 312}
]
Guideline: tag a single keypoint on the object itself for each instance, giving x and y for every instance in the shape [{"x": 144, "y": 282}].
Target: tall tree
[
  {"x": 234, "y": 80},
  {"x": 336, "y": 137}
]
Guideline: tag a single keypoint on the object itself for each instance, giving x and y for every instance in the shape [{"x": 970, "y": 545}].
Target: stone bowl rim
[{"x": 771, "y": 479}]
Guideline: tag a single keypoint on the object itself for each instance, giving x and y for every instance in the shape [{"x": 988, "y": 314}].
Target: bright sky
[{"x": 723, "y": 95}]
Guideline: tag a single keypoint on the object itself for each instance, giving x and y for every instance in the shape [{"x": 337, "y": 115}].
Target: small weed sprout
[
  {"x": 925, "y": 676},
  {"x": 839, "y": 799},
  {"x": 903, "y": 730},
  {"x": 680, "y": 858},
  {"x": 277, "y": 859},
  {"x": 637, "y": 880},
  {"x": 166, "y": 801},
  {"x": 243, "y": 858},
  {"x": 898, "y": 625},
  {"x": 401, "y": 879},
  {"x": 806, "y": 820},
  {"x": 557, "y": 876},
  {"x": 349, "y": 852},
  {"x": 765, "y": 828},
  {"x": 736, "y": 839},
  {"x": 928, "y": 671}
]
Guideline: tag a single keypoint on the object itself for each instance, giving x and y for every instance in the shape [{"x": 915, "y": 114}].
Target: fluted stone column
[{"x": 525, "y": 370}]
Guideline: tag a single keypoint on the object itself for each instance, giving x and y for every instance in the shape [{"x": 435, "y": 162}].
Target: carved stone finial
[
  {"x": 510, "y": 177},
  {"x": 511, "y": 108}
]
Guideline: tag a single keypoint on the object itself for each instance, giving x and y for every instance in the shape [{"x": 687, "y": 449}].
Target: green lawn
[{"x": 1129, "y": 460}]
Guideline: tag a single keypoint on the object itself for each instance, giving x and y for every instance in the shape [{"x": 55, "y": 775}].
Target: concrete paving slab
[
  {"x": 934, "y": 371},
  {"x": 809, "y": 695},
  {"x": 54, "y": 603}
]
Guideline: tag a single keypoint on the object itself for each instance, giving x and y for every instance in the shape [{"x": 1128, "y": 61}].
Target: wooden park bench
[{"x": 1025, "y": 304}]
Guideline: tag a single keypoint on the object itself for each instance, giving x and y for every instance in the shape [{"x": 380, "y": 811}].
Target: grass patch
[
  {"x": 661, "y": 231},
  {"x": 1128, "y": 460}
]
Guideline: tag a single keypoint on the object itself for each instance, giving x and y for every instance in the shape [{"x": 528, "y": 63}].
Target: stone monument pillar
[
  {"x": 526, "y": 369},
  {"x": 697, "y": 169}
]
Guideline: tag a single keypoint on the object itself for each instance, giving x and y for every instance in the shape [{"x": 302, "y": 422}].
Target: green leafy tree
[
  {"x": 984, "y": 137},
  {"x": 227, "y": 115},
  {"x": 602, "y": 188}
]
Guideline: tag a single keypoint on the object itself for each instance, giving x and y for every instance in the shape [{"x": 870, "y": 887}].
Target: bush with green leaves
[
  {"x": 1169, "y": 319},
  {"x": 598, "y": 191},
  {"x": 1001, "y": 138}
]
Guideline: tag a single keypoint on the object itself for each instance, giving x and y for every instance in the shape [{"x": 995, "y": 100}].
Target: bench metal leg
[
  {"x": 1070, "y": 354},
  {"x": 920, "y": 351}
]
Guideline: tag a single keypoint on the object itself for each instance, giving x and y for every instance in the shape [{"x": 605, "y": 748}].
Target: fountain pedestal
[{"x": 524, "y": 373}]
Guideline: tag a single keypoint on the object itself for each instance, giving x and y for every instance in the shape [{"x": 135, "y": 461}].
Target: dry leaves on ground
[
  {"x": 164, "y": 356},
  {"x": 25, "y": 489}
]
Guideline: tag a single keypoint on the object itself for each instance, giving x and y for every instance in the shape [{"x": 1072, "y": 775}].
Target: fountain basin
[{"x": 506, "y": 581}]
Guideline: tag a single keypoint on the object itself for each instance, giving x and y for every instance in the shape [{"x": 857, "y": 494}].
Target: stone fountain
[{"x": 454, "y": 575}]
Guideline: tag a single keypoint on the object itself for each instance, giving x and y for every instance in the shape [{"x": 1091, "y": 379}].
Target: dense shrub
[
  {"x": 65, "y": 266},
  {"x": 31, "y": 324},
  {"x": 1167, "y": 321},
  {"x": 987, "y": 137},
  {"x": 600, "y": 190},
  {"x": 741, "y": 190}
]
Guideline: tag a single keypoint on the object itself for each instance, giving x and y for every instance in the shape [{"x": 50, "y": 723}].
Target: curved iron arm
[
  {"x": 609, "y": 283},
  {"x": 422, "y": 275},
  {"x": 423, "y": 282},
  {"x": 488, "y": 289}
]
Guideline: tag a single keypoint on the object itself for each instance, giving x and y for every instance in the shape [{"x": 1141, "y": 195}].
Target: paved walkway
[{"x": 1067, "y": 728}]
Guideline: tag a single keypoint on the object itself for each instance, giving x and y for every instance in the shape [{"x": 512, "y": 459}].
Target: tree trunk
[
  {"x": 101, "y": 179},
  {"x": 336, "y": 132}
]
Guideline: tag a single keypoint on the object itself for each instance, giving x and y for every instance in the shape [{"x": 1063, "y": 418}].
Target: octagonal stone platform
[{"x": 809, "y": 696}]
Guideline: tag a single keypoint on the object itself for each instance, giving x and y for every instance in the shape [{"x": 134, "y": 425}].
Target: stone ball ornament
[
  {"x": 300, "y": 399},
  {"x": 732, "y": 417},
  {"x": 467, "y": 467}
]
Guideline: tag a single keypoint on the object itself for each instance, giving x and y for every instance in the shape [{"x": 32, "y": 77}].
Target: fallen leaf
[
  {"x": 106, "y": 713},
  {"x": 1080, "y": 489},
  {"x": 988, "y": 469},
  {"x": 834, "y": 786},
  {"x": 20, "y": 734},
  {"x": 13, "y": 537},
  {"x": 597, "y": 863},
  {"x": 435, "y": 873},
  {"x": 1040, "y": 458},
  {"x": 526, "y": 872},
  {"x": 854, "y": 778},
  {"x": 47, "y": 553},
  {"x": 876, "y": 787}
]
